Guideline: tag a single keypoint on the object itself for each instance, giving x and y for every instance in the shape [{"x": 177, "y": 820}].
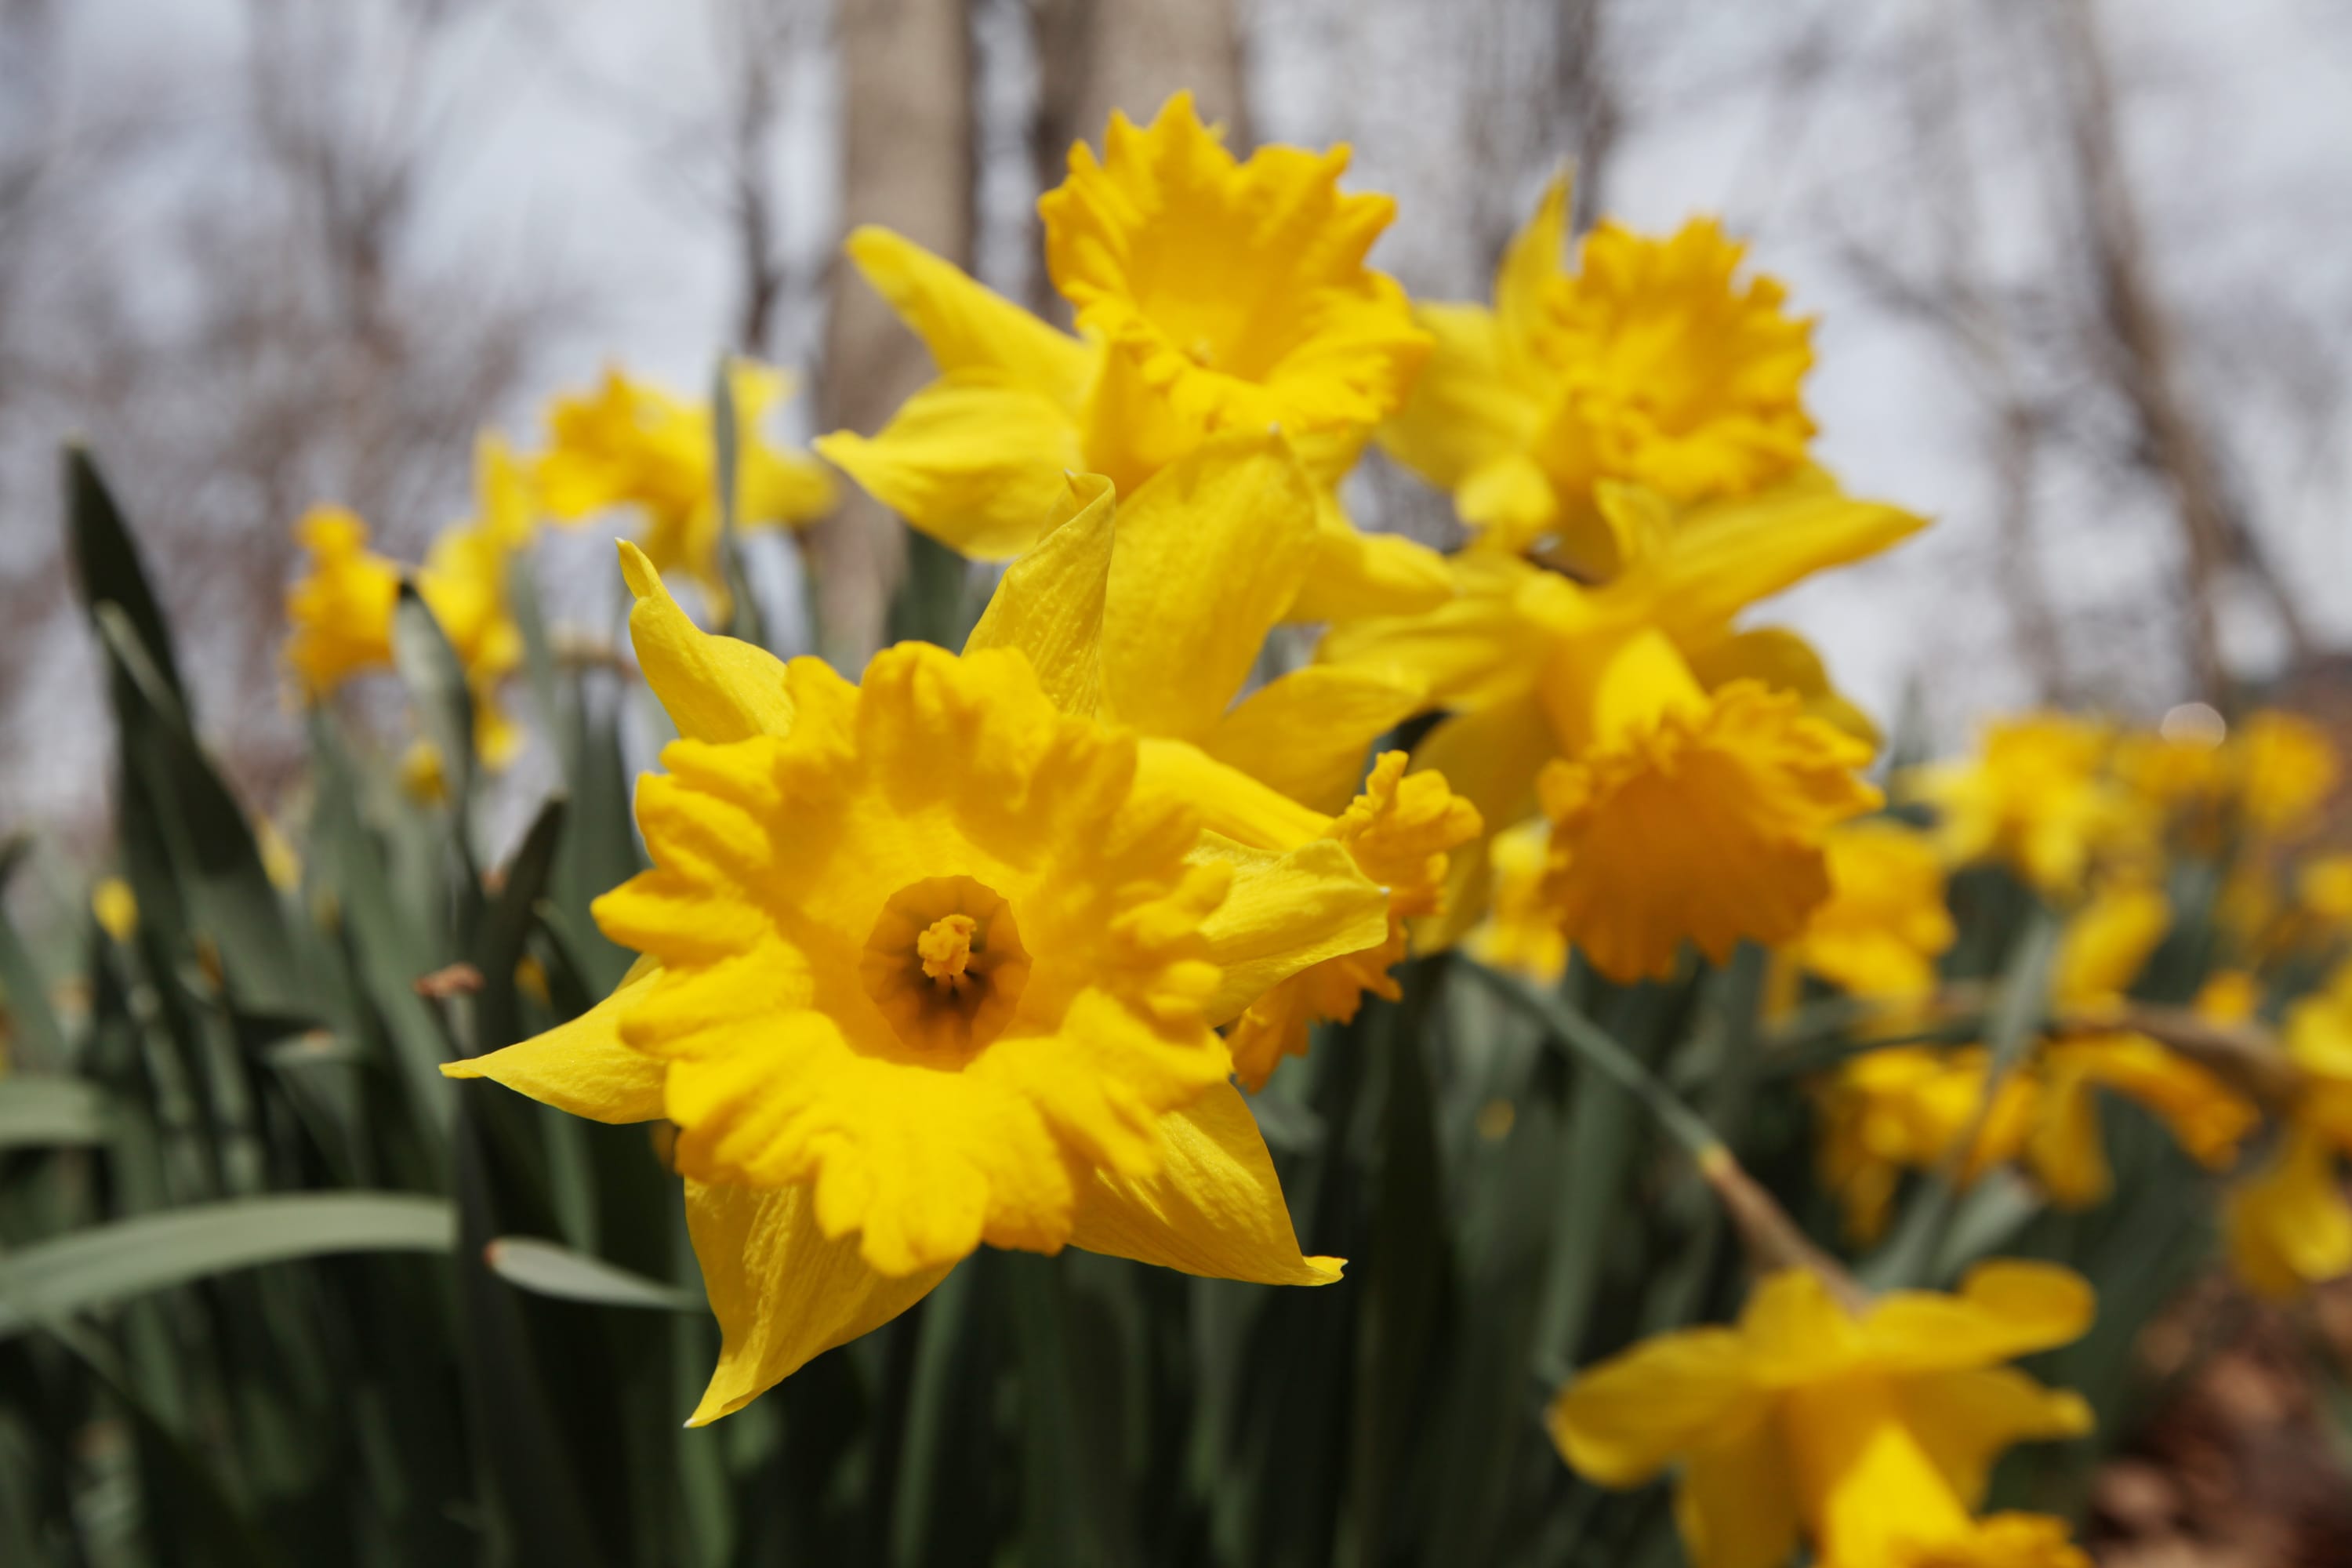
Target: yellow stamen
[{"x": 945, "y": 947}]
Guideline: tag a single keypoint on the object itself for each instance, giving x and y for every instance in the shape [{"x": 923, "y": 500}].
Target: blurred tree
[
  {"x": 904, "y": 69},
  {"x": 234, "y": 295}
]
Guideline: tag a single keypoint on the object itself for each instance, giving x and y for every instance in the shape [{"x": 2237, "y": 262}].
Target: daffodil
[
  {"x": 1868, "y": 1431},
  {"x": 2285, "y": 770},
  {"x": 2289, "y": 1224},
  {"x": 928, "y": 963},
  {"x": 2043, "y": 797},
  {"x": 1905, "y": 1108},
  {"x": 2269, "y": 774},
  {"x": 629, "y": 444},
  {"x": 1689, "y": 772},
  {"x": 1151, "y": 613},
  {"x": 115, "y": 908},
  {"x": 1651, "y": 365},
  {"x": 1911, "y": 1106},
  {"x": 1883, "y": 926},
  {"x": 341, "y": 611},
  {"x": 2324, "y": 890},
  {"x": 1212, "y": 295},
  {"x": 1518, "y": 933}
]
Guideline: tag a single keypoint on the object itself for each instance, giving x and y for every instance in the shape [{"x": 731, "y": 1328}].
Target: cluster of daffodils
[
  {"x": 2110, "y": 829},
  {"x": 624, "y": 446},
  {"x": 985, "y": 947}
]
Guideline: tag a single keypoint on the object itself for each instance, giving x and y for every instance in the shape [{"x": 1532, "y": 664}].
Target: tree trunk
[{"x": 907, "y": 163}]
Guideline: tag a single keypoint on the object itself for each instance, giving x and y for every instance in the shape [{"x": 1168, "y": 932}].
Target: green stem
[{"x": 1599, "y": 1049}]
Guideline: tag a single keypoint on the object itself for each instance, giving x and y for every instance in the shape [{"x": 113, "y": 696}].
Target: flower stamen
[{"x": 945, "y": 965}]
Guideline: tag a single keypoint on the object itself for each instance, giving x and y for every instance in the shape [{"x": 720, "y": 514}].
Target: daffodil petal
[
  {"x": 1626, "y": 1419},
  {"x": 1787, "y": 662},
  {"x": 1284, "y": 913},
  {"x": 1214, "y": 1209},
  {"x": 1467, "y": 412},
  {"x": 2066, "y": 1148},
  {"x": 1210, "y": 553},
  {"x": 1355, "y": 574},
  {"x": 1476, "y": 649},
  {"x": 1490, "y": 758},
  {"x": 582, "y": 1066},
  {"x": 965, "y": 324},
  {"x": 713, "y": 688},
  {"x": 974, "y": 459},
  {"x": 782, "y": 1291},
  {"x": 2004, "y": 1309},
  {"x": 2290, "y": 1225},
  {"x": 1735, "y": 1503},
  {"x": 1226, "y": 800},
  {"x": 1535, "y": 258},
  {"x": 1967, "y": 1419},
  {"x": 1306, "y": 733},
  {"x": 1050, "y": 602},
  {"x": 1726, "y": 555}
]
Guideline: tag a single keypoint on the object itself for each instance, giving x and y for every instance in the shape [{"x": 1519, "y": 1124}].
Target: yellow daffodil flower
[
  {"x": 2289, "y": 1224},
  {"x": 115, "y": 908},
  {"x": 2324, "y": 890},
  {"x": 628, "y": 444},
  {"x": 2285, "y": 769},
  {"x": 1648, "y": 364},
  {"x": 341, "y": 611},
  {"x": 1212, "y": 295},
  {"x": 1869, "y": 1433},
  {"x": 2041, "y": 798},
  {"x": 1905, "y": 1108},
  {"x": 1519, "y": 933},
  {"x": 1910, "y": 1106},
  {"x": 1684, "y": 805},
  {"x": 928, "y": 963},
  {"x": 1151, "y": 614},
  {"x": 2270, "y": 773},
  {"x": 1883, "y": 926}
]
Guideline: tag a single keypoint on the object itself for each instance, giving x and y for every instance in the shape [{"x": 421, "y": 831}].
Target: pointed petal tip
[
  {"x": 1326, "y": 1270},
  {"x": 638, "y": 570},
  {"x": 468, "y": 1067}
]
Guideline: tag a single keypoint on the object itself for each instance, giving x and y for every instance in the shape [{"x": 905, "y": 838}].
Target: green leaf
[
  {"x": 507, "y": 923},
  {"x": 436, "y": 677},
  {"x": 546, "y": 1268},
  {"x": 106, "y": 560},
  {"x": 52, "y": 1112},
  {"x": 214, "y": 859},
  {"x": 133, "y": 1257},
  {"x": 39, "y": 1042}
]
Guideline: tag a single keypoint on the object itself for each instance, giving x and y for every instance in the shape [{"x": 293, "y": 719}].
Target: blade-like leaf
[
  {"x": 39, "y": 1041},
  {"x": 436, "y": 677},
  {"x": 51, "y": 1112},
  {"x": 132, "y": 1256},
  {"x": 214, "y": 855},
  {"x": 546, "y": 1268},
  {"x": 106, "y": 560}
]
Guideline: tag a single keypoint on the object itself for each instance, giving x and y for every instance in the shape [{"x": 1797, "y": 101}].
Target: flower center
[
  {"x": 945, "y": 947},
  {"x": 945, "y": 965}
]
